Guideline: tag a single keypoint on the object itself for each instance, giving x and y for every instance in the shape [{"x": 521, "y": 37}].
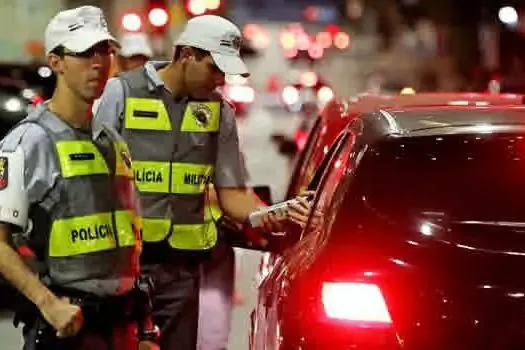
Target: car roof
[
  {"x": 366, "y": 103},
  {"x": 417, "y": 121}
]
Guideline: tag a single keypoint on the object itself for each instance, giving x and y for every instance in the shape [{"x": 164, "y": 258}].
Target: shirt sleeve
[
  {"x": 109, "y": 109},
  {"x": 38, "y": 166},
  {"x": 229, "y": 170}
]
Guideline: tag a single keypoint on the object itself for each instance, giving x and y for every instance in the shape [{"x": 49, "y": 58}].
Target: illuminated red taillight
[{"x": 359, "y": 302}]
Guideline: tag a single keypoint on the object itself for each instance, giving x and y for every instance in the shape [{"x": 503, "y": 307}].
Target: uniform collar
[{"x": 154, "y": 80}]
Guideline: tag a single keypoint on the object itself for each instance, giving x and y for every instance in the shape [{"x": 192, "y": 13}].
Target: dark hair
[
  {"x": 59, "y": 51},
  {"x": 199, "y": 53}
]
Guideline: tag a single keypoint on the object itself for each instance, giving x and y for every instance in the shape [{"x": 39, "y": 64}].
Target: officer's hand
[
  {"x": 273, "y": 223},
  {"x": 148, "y": 345},
  {"x": 299, "y": 213},
  {"x": 66, "y": 318}
]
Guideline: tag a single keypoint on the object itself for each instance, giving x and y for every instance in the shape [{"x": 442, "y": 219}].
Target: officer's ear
[{"x": 55, "y": 62}]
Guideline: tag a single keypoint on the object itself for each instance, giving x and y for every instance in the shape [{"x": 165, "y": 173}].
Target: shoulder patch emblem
[
  {"x": 202, "y": 114},
  {"x": 4, "y": 175}
]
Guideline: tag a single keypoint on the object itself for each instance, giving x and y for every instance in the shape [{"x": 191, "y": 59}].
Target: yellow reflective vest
[
  {"x": 174, "y": 147},
  {"x": 94, "y": 228}
]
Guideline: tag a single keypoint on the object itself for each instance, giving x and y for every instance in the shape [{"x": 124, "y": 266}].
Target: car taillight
[
  {"x": 325, "y": 94},
  {"x": 290, "y": 95},
  {"x": 357, "y": 302}
]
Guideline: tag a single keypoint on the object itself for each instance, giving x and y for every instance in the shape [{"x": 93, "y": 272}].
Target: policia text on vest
[{"x": 145, "y": 176}]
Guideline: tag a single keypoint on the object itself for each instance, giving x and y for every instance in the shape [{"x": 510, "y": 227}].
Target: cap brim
[
  {"x": 130, "y": 53},
  {"x": 230, "y": 64},
  {"x": 85, "y": 39}
]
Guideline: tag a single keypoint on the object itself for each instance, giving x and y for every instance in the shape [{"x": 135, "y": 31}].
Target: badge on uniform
[
  {"x": 201, "y": 113},
  {"x": 4, "y": 175}
]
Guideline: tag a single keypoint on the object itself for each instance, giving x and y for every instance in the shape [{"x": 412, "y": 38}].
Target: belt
[
  {"x": 114, "y": 309},
  {"x": 161, "y": 253}
]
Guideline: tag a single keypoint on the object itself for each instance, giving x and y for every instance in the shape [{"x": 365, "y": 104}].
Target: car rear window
[{"x": 468, "y": 177}]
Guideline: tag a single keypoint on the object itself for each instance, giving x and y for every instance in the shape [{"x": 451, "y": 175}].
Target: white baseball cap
[
  {"x": 133, "y": 44},
  {"x": 77, "y": 30},
  {"x": 220, "y": 37}
]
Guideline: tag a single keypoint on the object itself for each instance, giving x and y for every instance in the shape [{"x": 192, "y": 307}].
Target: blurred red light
[
  {"x": 342, "y": 40},
  {"x": 288, "y": 40},
  {"x": 213, "y": 4},
  {"x": 197, "y": 7},
  {"x": 333, "y": 29},
  {"x": 316, "y": 51},
  {"x": 158, "y": 17},
  {"x": 131, "y": 22}
]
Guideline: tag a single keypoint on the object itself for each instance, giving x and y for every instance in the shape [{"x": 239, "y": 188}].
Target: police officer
[
  {"x": 73, "y": 199},
  {"x": 135, "y": 51},
  {"x": 182, "y": 136}
]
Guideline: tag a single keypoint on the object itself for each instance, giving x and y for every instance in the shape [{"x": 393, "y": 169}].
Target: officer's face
[
  {"x": 202, "y": 77},
  {"x": 130, "y": 63},
  {"x": 84, "y": 73}
]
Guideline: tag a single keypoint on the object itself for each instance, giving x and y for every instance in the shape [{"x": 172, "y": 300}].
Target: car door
[{"x": 273, "y": 291}]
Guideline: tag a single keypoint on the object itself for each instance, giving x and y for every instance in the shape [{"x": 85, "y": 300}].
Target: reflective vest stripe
[
  {"x": 188, "y": 237},
  {"x": 89, "y": 234},
  {"x": 194, "y": 236},
  {"x": 126, "y": 235},
  {"x": 152, "y": 176},
  {"x": 79, "y": 158},
  {"x": 190, "y": 178},
  {"x": 155, "y": 230},
  {"x": 187, "y": 178},
  {"x": 201, "y": 117},
  {"x": 146, "y": 114}
]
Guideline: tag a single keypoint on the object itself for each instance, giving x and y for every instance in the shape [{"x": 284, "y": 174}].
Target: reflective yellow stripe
[
  {"x": 187, "y": 237},
  {"x": 146, "y": 114},
  {"x": 90, "y": 234},
  {"x": 212, "y": 212},
  {"x": 155, "y": 230},
  {"x": 194, "y": 237},
  {"x": 126, "y": 236},
  {"x": 78, "y": 158},
  {"x": 201, "y": 117},
  {"x": 123, "y": 167},
  {"x": 190, "y": 178},
  {"x": 152, "y": 176}
]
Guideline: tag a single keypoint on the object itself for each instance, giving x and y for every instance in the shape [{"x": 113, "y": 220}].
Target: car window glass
[
  {"x": 337, "y": 166},
  {"x": 326, "y": 162},
  {"x": 299, "y": 178}
]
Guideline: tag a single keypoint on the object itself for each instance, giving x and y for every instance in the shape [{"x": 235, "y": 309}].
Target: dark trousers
[
  {"x": 175, "y": 303},
  {"x": 103, "y": 336}
]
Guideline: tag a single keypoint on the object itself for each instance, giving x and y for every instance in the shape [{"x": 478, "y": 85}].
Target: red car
[
  {"x": 338, "y": 113},
  {"x": 415, "y": 241},
  {"x": 314, "y": 145}
]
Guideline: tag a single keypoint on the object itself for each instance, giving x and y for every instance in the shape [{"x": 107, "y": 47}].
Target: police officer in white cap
[
  {"x": 183, "y": 136},
  {"x": 72, "y": 197},
  {"x": 135, "y": 51}
]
